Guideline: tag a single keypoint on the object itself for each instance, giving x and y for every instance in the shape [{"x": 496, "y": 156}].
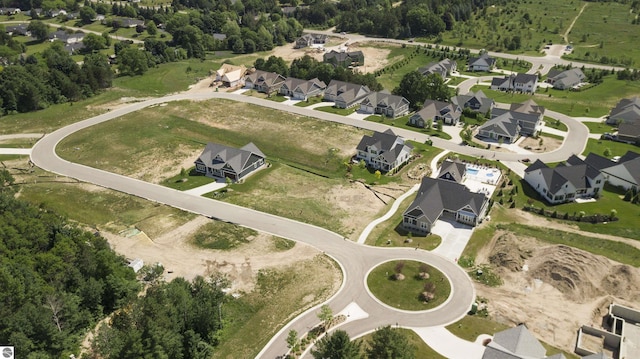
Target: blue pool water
[
  {"x": 472, "y": 171},
  {"x": 489, "y": 174}
]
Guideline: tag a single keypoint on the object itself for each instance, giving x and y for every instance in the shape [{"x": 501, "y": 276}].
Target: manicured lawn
[
  {"x": 556, "y": 124},
  {"x": 616, "y": 148},
  {"x": 405, "y": 294},
  {"x": 193, "y": 180},
  {"x": 599, "y": 127},
  {"x": 455, "y": 81},
  {"x": 277, "y": 98},
  {"x": 309, "y": 102},
  {"x": 592, "y": 102},
  {"x": 402, "y": 122},
  {"x": 337, "y": 111},
  {"x": 471, "y": 326},
  {"x": 423, "y": 351}
]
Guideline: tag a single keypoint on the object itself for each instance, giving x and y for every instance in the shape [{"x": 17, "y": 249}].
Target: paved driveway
[{"x": 455, "y": 237}]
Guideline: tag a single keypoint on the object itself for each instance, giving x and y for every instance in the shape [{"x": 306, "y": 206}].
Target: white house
[{"x": 383, "y": 151}]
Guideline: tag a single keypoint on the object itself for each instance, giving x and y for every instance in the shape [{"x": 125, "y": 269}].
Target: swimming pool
[{"x": 472, "y": 171}]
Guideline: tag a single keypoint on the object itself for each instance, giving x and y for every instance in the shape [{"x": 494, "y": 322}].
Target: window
[{"x": 598, "y": 181}]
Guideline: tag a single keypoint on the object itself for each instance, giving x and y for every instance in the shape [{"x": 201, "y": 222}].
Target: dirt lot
[
  {"x": 554, "y": 289},
  {"x": 534, "y": 145},
  {"x": 374, "y": 58}
]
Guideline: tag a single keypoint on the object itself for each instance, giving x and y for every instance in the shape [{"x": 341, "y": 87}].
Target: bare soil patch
[
  {"x": 181, "y": 259},
  {"x": 548, "y": 144},
  {"x": 541, "y": 283}
]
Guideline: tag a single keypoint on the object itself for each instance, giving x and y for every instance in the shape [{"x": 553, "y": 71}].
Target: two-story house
[{"x": 384, "y": 151}]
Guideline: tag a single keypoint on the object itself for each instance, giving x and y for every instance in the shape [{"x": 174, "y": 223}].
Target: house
[
  {"x": 627, "y": 110},
  {"x": 383, "y": 151},
  {"x": 453, "y": 171},
  {"x": 67, "y": 38},
  {"x": 629, "y": 132},
  {"x": 528, "y": 107},
  {"x": 262, "y": 81},
  {"x": 522, "y": 119},
  {"x": 516, "y": 82},
  {"x": 307, "y": 40},
  {"x": 34, "y": 13},
  {"x": 567, "y": 79},
  {"x": 344, "y": 59},
  {"x": 476, "y": 102},
  {"x": 231, "y": 75},
  {"x": 299, "y": 89},
  {"x": 345, "y": 94},
  {"x": 222, "y": 162},
  {"x": 623, "y": 173},
  {"x": 566, "y": 182},
  {"x": 56, "y": 12},
  {"x": 436, "y": 111},
  {"x": 516, "y": 343},
  {"x": 619, "y": 335},
  {"x": 437, "y": 197},
  {"x": 74, "y": 48},
  {"x": 128, "y": 22},
  {"x": 384, "y": 103},
  {"x": 19, "y": 29},
  {"x": 443, "y": 68},
  {"x": 482, "y": 63},
  {"x": 9, "y": 11}
]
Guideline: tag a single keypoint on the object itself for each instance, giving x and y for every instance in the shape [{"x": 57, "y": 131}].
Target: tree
[
  {"x": 87, "y": 14},
  {"x": 325, "y": 315},
  {"x": 93, "y": 42},
  {"x": 607, "y": 152},
  {"x": 132, "y": 61},
  {"x": 38, "y": 29},
  {"x": 414, "y": 87},
  {"x": 337, "y": 345},
  {"x": 389, "y": 343},
  {"x": 292, "y": 340},
  {"x": 152, "y": 29},
  {"x": 378, "y": 174}
]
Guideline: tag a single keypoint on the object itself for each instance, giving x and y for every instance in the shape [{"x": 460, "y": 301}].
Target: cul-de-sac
[{"x": 339, "y": 179}]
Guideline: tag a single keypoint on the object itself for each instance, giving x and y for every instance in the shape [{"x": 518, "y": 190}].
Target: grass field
[
  {"x": 405, "y": 294},
  {"x": 423, "y": 351},
  {"x": 593, "y": 102},
  {"x": 599, "y": 127},
  {"x": 616, "y": 148},
  {"x": 604, "y": 30},
  {"x": 221, "y": 235},
  {"x": 337, "y": 111},
  {"x": 402, "y": 122},
  {"x": 255, "y": 317}
]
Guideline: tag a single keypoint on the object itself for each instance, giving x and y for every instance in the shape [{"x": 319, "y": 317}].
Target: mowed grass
[
  {"x": 422, "y": 350},
  {"x": 615, "y": 148},
  {"x": 592, "y": 102},
  {"x": 181, "y": 130},
  {"x": 604, "y": 30},
  {"x": 405, "y": 294},
  {"x": 599, "y": 127},
  {"x": 403, "y": 122},
  {"x": 101, "y": 208},
  {"x": 250, "y": 321}
]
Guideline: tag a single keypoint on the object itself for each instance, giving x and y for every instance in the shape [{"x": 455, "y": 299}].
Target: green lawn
[
  {"x": 402, "y": 122},
  {"x": 604, "y": 30},
  {"x": 193, "y": 180},
  {"x": 337, "y": 111},
  {"x": 423, "y": 351},
  {"x": 402, "y": 60},
  {"x": 592, "y": 102},
  {"x": 599, "y": 127},
  {"x": 615, "y": 148},
  {"x": 309, "y": 102},
  {"x": 405, "y": 294},
  {"x": 556, "y": 124},
  {"x": 221, "y": 235}
]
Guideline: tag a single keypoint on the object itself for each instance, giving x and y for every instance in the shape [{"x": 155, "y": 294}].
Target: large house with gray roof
[
  {"x": 625, "y": 172},
  {"x": 629, "y": 132},
  {"x": 516, "y": 82},
  {"x": 477, "y": 102},
  {"x": 345, "y": 94},
  {"x": 344, "y": 59},
  {"x": 263, "y": 81},
  {"x": 222, "y": 162},
  {"x": 522, "y": 119},
  {"x": 566, "y": 182},
  {"x": 384, "y": 103},
  {"x": 566, "y": 79},
  {"x": 384, "y": 151},
  {"x": 307, "y": 40},
  {"x": 299, "y": 89},
  {"x": 439, "y": 196},
  {"x": 627, "y": 110},
  {"x": 433, "y": 110},
  {"x": 443, "y": 68},
  {"x": 483, "y": 62}
]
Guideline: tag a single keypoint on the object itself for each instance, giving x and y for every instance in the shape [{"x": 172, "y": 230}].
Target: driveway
[{"x": 455, "y": 237}]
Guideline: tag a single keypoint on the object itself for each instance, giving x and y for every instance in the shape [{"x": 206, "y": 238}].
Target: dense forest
[{"x": 57, "y": 280}]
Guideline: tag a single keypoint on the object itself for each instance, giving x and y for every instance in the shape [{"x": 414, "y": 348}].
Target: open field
[
  {"x": 596, "y": 101},
  {"x": 605, "y": 31},
  {"x": 402, "y": 122},
  {"x": 616, "y": 148},
  {"x": 423, "y": 351}
]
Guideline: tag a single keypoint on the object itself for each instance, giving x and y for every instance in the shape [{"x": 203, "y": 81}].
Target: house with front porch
[
  {"x": 384, "y": 151},
  {"x": 526, "y": 83},
  {"x": 627, "y": 110},
  {"x": 433, "y": 110},
  {"x": 384, "y": 103},
  {"x": 573, "y": 179},
  {"x": 345, "y": 94},
  {"x": 476, "y": 102},
  {"x": 231, "y": 75},
  {"x": 344, "y": 59},
  {"x": 439, "y": 197},
  {"x": 483, "y": 62},
  {"x": 307, "y": 40},
  {"x": 263, "y": 81},
  {"x": 299, "y": 89},
  {"x": 625, "y": 172},
  {"x": 563, "y": 80},
  {"x": 222, "y": 162},
  {"x": 522, "y": 119}
]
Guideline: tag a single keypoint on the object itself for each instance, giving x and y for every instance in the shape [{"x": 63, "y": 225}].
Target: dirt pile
[
  {"x": 582, "y": 276},
  {"x": 509, "y": 252}
]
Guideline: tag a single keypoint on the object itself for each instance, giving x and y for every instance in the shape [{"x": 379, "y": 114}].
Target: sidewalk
[
  {"x": 199, "y": 191},
  {"x": 15, "y": 151}
]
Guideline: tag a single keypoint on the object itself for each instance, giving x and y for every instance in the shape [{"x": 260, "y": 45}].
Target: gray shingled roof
[
  {"x": 465, "y": 101},
  {"x": 630, "y": 129},
  {"x": 597, "y": 356},
  {"x": 524, "y": 78},
  {"x": 482, "y": 60},
  {"x": 516, "y": 342},
  {"x": 441, "y": 68},
  {"x": 597, "y": 161},
  {"x": 385, "y": 99},
  {"x": 627, "y": 110},
  {"x": 527, "y": 121},
  {"x": 347, "y": 91},
  {"x": 575, "y": 171},
  {"x": 454, "y": 168},
  {"x": 529, "y": 106},
  {"x": 236, "y": 158},
  {"x": 503, "y": 124},
  {"x": 436, "y": 195}
]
